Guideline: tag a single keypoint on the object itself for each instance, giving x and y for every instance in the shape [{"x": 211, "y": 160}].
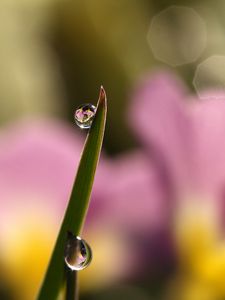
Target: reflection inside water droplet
[
  {"x": 84, "y": 115},
  {"x": 78, "y": 254}
]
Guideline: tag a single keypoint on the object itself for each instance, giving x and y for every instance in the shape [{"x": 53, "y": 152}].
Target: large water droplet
[
  {"x": 84, "y": 115},
  {"x": 78, "y": 254}
]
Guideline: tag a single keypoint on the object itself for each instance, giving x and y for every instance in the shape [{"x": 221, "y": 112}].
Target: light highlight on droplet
[
  {"x": 84, "y": 115},
  {"x": 78, "y": 254}
]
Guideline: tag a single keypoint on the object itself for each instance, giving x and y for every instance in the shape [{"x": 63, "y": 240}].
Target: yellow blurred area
[
  {"x": 108, "y": 263},
  {"x": 201, "y": 253},
  {"x": 28, "y": 243},
  {"x": 26, "y": 251}
]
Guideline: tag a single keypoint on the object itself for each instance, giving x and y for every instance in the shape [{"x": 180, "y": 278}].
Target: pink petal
[
  {"x": 38, "y": 158},
  {"x": 160, "y": 118},
  {"x": 208, "y": 117},
  {"x": 134, "y": 196}
]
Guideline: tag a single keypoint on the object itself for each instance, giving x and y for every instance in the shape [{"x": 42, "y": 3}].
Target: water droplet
[
  {"x": 78, "y": 254},
  {"x": 84, "y": 115}
]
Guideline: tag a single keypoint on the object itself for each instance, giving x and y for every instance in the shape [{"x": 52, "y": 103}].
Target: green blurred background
[{"x": 56, "y": 54}]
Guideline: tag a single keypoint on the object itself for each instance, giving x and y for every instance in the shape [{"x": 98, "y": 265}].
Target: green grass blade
[
  {"x": 71, "y": 285},
  {"x": 78, "y": 203}
]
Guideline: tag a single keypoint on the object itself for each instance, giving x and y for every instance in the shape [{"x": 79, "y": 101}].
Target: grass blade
[
  {"x": 78, "y": 203},
  {"x": 71, "y": 285}
]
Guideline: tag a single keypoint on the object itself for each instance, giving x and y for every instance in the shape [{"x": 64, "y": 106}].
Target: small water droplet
[
  {"x": 84, "y": 115},
  {"x": 78, "y": 254}
]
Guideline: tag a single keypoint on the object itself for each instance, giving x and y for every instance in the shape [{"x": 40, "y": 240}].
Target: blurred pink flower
[
  {"x": 135, "y": 195},
  {"x": 182, "y": 134},
  {"x": 38, "y": 161}
]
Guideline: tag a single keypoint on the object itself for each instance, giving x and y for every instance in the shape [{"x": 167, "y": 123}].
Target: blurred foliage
[
  {"x": 55, "y": 54},
  {"x": 103, "y": 43}
]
